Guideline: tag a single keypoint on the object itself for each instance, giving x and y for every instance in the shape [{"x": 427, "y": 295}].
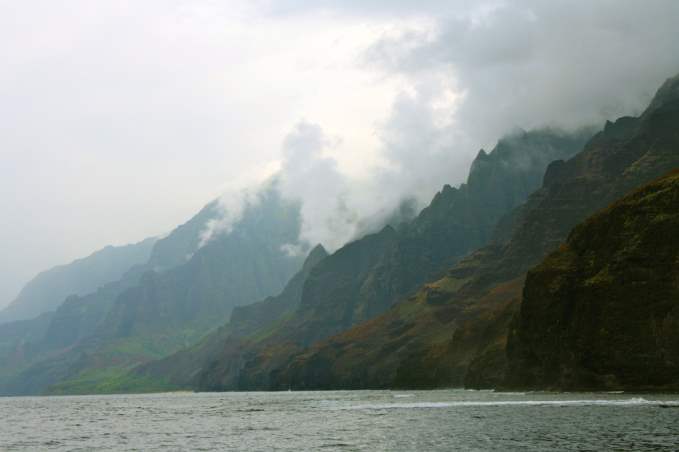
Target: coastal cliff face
[
  {"x": 157, "y": 308},
  {"x": 367, "y": 277},
  {"x": 181, "y": 292},
  {"x": 425, "y": 303},
  {"x": 257, "y": 319},
  {"x": 602, "y": 312},
  {"x": 453, "y": 332}
]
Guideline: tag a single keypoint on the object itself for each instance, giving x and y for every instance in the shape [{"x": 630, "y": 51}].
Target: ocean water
[{"x": 342, "y": 420}]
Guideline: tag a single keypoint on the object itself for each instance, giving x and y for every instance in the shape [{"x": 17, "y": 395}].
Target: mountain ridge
[
  {"x": 47, "y": 290},
  {"x": 453, "y": 331},
  {"x": 158, "y": 308},
  {"x": 600, "y": 313},
  {"x": 367, "y": 276}
]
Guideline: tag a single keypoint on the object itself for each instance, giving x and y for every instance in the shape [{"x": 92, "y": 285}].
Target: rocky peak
[
  {"x": 667, "y": 94},
  {"x": 317, "y": 254}
]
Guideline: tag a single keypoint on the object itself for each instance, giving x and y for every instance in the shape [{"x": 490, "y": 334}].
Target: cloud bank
[
  {"x": 530, "y": 63},
  {"x": 469, "y": 73},
  {"x": 129, "y": 116}
]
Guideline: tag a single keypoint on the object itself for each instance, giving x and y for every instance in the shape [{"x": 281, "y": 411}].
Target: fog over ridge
[{"x": 119, "y": 121}]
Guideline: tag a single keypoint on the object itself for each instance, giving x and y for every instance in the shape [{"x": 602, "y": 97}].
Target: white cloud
[
  {"x": 531, "y": 63},
  {"x": 120, "y": 119},
  {"x": 230, "y": 208}
]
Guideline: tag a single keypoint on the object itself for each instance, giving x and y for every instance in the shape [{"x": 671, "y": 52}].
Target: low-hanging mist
[
  {"x": 468, "y": 76},
  {"x": 356, "y": 107}
]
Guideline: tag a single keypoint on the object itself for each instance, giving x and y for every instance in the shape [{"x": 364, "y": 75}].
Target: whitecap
[{"x": 636, "y": 401}]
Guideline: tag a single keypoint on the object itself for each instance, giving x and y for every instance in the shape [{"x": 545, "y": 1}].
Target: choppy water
[{"x": 351, "y": 420}]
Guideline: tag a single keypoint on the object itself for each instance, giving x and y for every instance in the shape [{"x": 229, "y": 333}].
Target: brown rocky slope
[
  {"x": 602, "y": 312},
  {"x": 453, "y": 332}
]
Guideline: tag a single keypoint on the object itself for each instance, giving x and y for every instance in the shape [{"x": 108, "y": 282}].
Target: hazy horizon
[{"x": 121, "y": 120}]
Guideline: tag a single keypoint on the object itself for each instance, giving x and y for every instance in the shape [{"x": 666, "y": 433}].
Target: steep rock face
[
  {"x": 367, "y": 277},
  {"x": 151, "y": 313},
  {"x": 452, "y": 332},
  {"x": 180, "y": 369},
  {"x": 457, "y": 221},
  {"x": 183, "y": 241},
  {"x": 232, "y": 269},
  {"x": 48, "y": 290},
  {"x": 425, "y": 342},
  {"x": 602, "y": 312},
  {"x": 260, "y": 316},
  {"x": 18, "y": 343},
  {"x": 80, "y": 316},
  {"x": 26, "y": 342},
  {"x": 331, "y": 296},
  {"x": 79, "y": 313}
]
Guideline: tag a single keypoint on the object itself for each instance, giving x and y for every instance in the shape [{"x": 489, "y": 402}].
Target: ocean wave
[{"x": 636, "y": 401}]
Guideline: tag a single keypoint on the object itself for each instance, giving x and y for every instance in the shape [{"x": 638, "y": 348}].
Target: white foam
[{"x": 472, "y": 403}]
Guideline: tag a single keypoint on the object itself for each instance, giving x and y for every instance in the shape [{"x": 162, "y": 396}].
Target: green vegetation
[
  {"x": 366, "y": 278},
  {"x": 450, "y": 298},
  {"x": 601, "y": 313},
  {"x": 454, "y": 332},
  {"x": 110, "y": 381},
  {"x": 182, "y": 294}
]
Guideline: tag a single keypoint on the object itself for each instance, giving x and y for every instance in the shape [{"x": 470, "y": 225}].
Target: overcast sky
[{"x": 119, "y": 119}]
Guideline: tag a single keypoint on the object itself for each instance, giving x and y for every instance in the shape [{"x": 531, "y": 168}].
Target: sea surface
[{"x": 342, "y": 420}]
